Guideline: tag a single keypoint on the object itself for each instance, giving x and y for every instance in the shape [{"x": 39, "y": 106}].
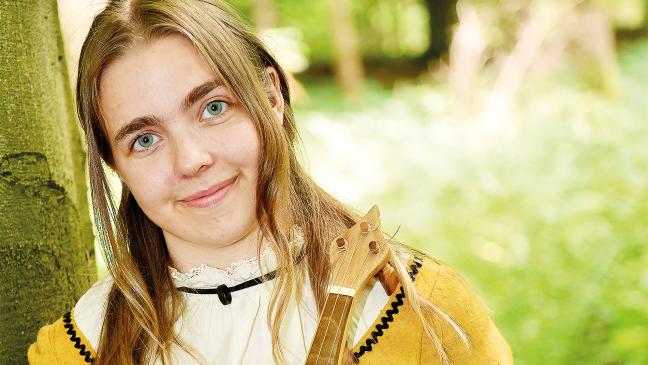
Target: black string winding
[
  {"x": 389, "y": 315},
  {"x": 67, "y": 319}
]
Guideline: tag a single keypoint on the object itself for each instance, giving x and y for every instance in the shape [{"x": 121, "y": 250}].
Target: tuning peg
[
  {"x": 373, "y": 247},
  {"x": 341, "y": 243},
  {"x": 366, "y": 227}
]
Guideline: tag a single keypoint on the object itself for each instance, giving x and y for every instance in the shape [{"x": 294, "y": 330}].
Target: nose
[{"x": 192, "y": 155}]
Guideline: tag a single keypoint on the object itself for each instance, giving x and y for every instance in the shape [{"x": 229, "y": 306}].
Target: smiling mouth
[{"x": 211, "y": 196}]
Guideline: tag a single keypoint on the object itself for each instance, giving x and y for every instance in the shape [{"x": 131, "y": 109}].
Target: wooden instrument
[{"x": 356, "y": 255}]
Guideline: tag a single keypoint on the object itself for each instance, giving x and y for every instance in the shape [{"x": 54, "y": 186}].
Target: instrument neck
[{"x": 330, "y": 338}]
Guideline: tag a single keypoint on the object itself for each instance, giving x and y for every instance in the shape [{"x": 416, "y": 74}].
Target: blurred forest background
[{"x": 506, "y": 138}]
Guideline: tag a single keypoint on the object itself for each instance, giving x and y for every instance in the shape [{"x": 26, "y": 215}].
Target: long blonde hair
[{"x": 143, "y": 304}]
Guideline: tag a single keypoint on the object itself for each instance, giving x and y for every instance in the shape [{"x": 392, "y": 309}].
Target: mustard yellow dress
[{"x": 394, "y": 336}]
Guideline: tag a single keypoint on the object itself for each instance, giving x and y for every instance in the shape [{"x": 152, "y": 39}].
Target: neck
[{"x": 187, "y": 255}]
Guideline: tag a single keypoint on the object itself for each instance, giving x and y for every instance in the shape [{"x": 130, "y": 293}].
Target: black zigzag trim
[
  {"x": 389, "y": 315},
  {"x": 67, "y": 318}
]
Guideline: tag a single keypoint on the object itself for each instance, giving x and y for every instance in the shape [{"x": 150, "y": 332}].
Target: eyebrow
[{"x": 192, "y": 97}]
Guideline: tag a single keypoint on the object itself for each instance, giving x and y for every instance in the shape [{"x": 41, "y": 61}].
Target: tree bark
[
  {"x": 46, "y": 241},
  {"x": 349, "y": 69}
]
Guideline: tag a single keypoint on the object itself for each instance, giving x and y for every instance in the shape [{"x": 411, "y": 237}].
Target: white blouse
[{"x": 238, "y": 333}]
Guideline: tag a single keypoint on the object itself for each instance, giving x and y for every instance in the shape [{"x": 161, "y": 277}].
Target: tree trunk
[
  {"x": 46, "y": 242},
  {"x": 348, "y": 60},
  {"x": 442, "y": 14},
  {"x": 265, "y": 14},
  {"x": 597, "y": 39}
]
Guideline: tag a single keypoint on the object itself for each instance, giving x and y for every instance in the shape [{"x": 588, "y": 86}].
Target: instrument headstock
[{"x": 357, "y": 254}]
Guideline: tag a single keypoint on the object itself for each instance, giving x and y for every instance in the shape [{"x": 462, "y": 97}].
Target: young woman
[{"x": 218, "y": 251}]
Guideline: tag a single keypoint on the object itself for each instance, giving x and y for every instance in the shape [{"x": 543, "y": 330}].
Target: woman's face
[{"x": 187, "y": 150}]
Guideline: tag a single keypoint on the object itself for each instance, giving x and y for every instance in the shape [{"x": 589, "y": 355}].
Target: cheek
[
  {"x": 148, "y": 183},
  {"x": 242, "y": 149}
]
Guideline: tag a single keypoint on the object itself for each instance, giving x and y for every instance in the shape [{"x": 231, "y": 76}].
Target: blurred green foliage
[
  {"x": 543, "y": 211},
  {"x": 546, "y": 217},
  {"x": 388, "y": 29},
  {"x": 399, "y": 28}
]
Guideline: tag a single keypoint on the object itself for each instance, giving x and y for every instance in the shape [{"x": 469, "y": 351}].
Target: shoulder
[
  {"x": 442, "y": 284},
  {"x": 457, "y": 302},
  {"x": 90, "y": 309},
  {"x": 73, "y": 337},
  {"x": 60, "y": 343}
]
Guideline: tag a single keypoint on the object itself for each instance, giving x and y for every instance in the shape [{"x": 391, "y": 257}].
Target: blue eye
[
  {"x": 214, "y": 109},
  {"x": 144, "y": 141}
]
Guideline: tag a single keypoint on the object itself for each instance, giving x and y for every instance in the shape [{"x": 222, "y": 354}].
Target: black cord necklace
[{"x": 224, "y": 292}]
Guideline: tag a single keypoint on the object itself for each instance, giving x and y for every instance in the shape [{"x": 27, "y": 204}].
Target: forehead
[{"x": 151, "y": 79}]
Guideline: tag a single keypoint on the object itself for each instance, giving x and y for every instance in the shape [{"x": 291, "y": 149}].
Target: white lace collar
[{"x": 205, "y": 276}]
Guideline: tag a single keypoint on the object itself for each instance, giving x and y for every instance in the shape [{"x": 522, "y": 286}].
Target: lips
[{"x": 210, "y": 196}]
